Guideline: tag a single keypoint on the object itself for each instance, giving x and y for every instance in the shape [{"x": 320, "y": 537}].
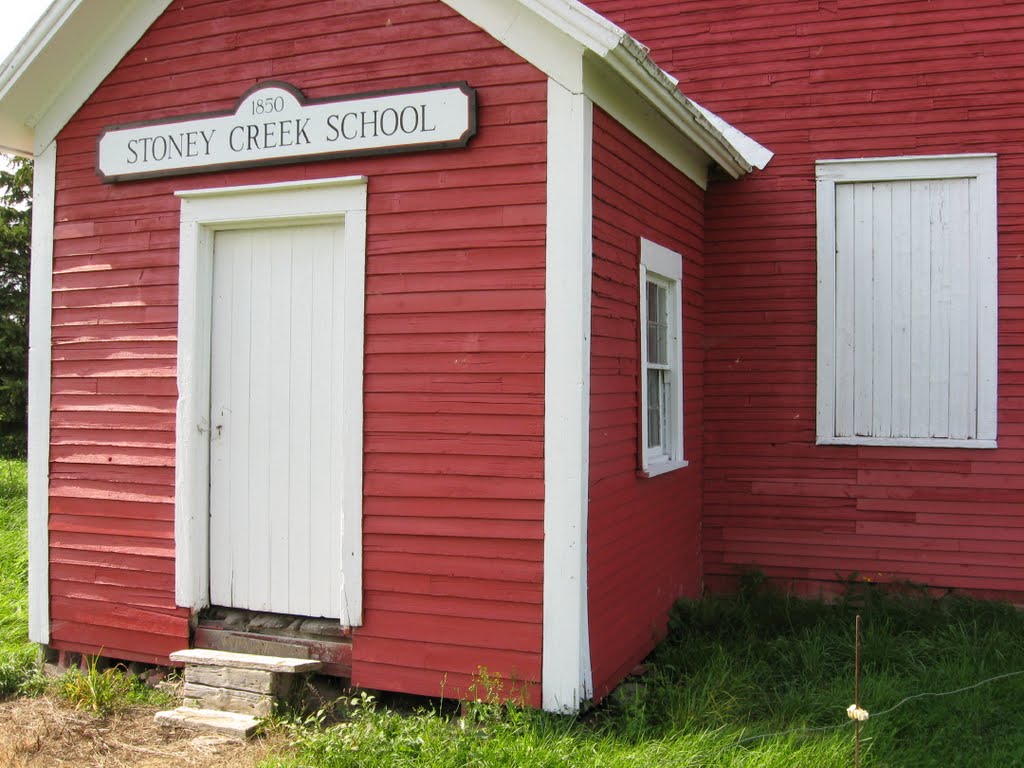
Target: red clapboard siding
[
  {"x": 454, "y": 340},
  {"x": 643, "y": 542},
  {"x": 811, "y": 81}
]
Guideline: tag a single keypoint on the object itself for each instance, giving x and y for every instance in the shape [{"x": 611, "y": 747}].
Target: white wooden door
[{"x": 275, "y": 416}]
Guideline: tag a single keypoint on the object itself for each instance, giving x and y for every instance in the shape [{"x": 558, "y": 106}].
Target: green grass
[
  {"x": 16, "y": 653},
  {"x": 731, "y": 671}
]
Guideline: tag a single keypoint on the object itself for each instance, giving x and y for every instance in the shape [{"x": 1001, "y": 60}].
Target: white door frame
[{"x": 203, "y": 213}]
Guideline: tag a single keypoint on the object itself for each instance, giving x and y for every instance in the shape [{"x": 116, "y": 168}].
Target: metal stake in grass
[{"x": 856, "y": 690}]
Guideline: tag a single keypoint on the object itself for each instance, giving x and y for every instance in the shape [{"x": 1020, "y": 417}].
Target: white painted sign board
[{"x": 274, "y": 123}]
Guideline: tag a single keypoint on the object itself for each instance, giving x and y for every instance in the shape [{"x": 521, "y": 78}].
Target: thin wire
[
  {"x": 876, "y": 715},
  {"x": 946, "y": 693},
  {"x": 856, "y": 691}
]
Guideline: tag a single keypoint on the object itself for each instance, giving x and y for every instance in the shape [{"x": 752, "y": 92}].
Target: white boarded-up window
[{"x": 907, "y": 301}]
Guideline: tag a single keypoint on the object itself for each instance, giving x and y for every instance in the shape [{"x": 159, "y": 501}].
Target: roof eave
[
  {"x": 734, "y": 151},
  {"x": 630, "y": 62},
  {"x": 61, "y": 61},
  {"x": 627, "y": 60},
  {"x": 21, "y": 98},
  {"x": 39, "y": 91}
]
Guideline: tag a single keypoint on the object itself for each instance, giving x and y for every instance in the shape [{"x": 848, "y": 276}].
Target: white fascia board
[
  {"x": 33, "y": 43},
  {"x": 113, "y": 39},
  {"x": 39, "y": 340},
  {"x": 532, "y": 36},
  {"x": 554, "y": 35},
  {"x": 566, "y": 676},
  {"x": 753, "y": 154},
  {"x": 61, "y": 61},
  {"x": 18, "y": 98},
  {"x": 644, "y": 120},
  {"x": 583, "y": 24},
  {"x": 660, "y": 89}
]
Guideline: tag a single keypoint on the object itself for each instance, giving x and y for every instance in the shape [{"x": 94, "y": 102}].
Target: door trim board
[{"x": 203, "y": 213}]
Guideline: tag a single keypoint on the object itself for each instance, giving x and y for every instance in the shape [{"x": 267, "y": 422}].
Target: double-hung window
[
  {"x": 907, "y": 296},
  {"x": 661, "y": 359}
]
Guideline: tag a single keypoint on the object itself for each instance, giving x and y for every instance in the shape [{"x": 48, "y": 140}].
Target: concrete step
[{"x": 232, "y": 724}]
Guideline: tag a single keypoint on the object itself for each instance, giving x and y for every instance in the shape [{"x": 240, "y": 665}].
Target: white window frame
[
  {"x": 982, "y": 167},
  {"x": 663, "y": 267}
]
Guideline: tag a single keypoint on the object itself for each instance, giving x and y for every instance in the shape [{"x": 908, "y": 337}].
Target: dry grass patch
[{"x": 45, "y": 732}]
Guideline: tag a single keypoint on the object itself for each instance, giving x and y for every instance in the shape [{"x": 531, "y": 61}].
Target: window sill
[
  {"x": 907, "y": 442},
  {"x": 653, "y": 470}
]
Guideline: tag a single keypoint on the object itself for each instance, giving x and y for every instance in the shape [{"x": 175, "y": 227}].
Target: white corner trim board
[
  {"x": 203, "y": 213},
  {"x": 566, "y": 678},
  {"x": 40, "y": 337}
]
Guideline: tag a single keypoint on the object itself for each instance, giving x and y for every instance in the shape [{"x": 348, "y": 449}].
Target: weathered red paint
[
  {"x": 814, "y": 80},
  {"x": 454, "y": 342},
  {"x": 643, "y": 533},
  {"x": 454, "y": 382}
]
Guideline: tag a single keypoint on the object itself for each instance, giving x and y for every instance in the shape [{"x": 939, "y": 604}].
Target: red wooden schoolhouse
[{"x": 464, "y": 328}]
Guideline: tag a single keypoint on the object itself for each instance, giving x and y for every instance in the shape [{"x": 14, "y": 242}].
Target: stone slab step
[
  {"x": 253, "y": 680},
  {"x": 207, "y": 657},
  {"x": 228, "y": 700},
  {"x": 231, "y": 724}
]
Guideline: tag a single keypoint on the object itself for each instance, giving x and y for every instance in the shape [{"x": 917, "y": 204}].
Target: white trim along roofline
[
  {"x": 555, "y": 35},
  {"x": 40, "y": 92},
  {"x": 61, "y": 61}
]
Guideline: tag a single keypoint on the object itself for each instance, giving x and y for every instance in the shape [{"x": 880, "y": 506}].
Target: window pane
[
  {"x": 655, "y": 407},
  {"x": 652, "y": 302},
  {"x": 657, "y": 324}
]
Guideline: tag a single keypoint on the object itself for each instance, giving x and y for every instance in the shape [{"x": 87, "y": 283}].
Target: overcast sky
[{"x": 15, "y": 20}]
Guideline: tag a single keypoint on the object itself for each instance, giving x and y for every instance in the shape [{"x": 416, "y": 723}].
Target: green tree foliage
[{"x": 15, "y": 250}]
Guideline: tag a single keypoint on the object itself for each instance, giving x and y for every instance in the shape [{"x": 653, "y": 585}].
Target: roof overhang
[
  {"x": 588, "y": 54},
  {"x": 61, "y": 61},
  {"x": 77, "y": 43}
]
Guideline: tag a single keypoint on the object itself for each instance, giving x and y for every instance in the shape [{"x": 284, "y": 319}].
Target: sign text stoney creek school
[{"x": 272, "y": 124}]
